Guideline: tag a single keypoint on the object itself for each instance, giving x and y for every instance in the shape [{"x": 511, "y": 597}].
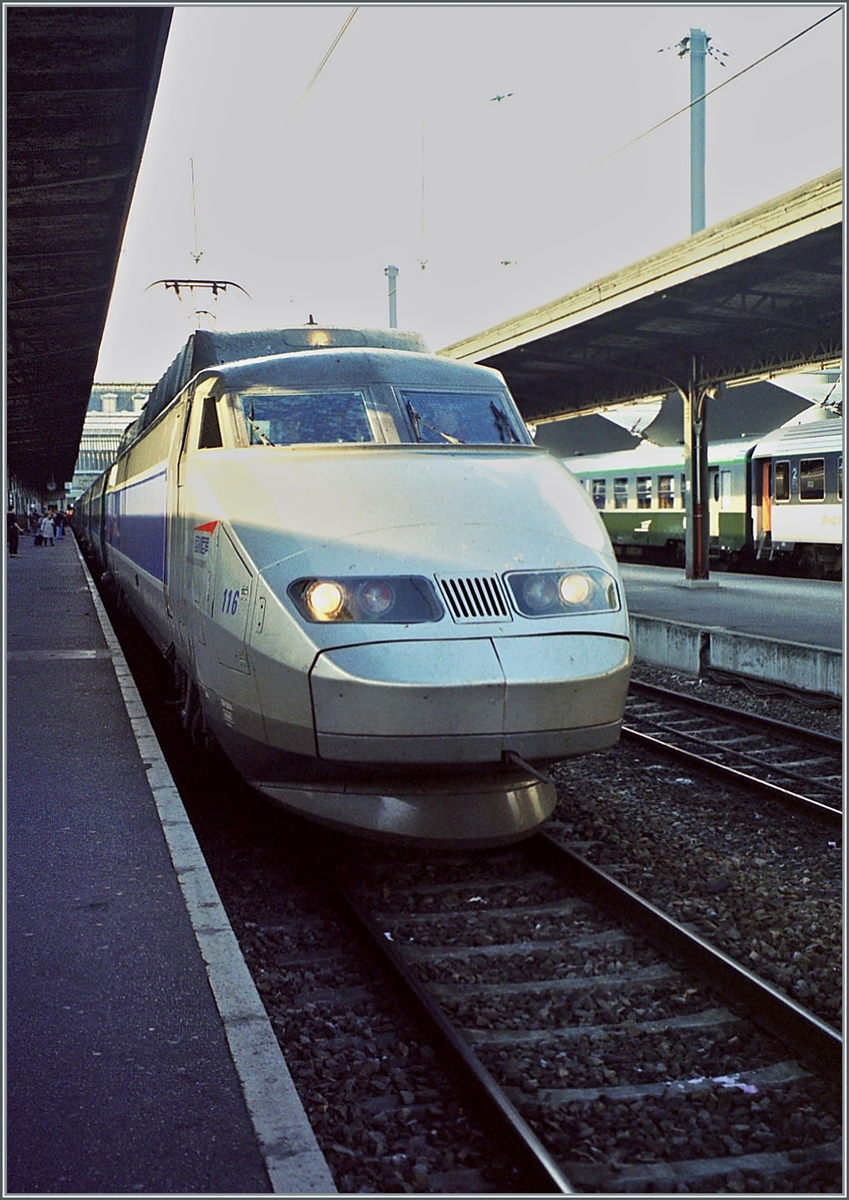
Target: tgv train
[
  {"x": 390, "y": 608},
  {"x": 777, "y": 500}
]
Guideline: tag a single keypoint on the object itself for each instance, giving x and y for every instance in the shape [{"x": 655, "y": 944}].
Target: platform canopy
[
  {"x": 755, "y": 295},
  {"x": 759, "y": 293},
  {"x": 80, "y": 86}
]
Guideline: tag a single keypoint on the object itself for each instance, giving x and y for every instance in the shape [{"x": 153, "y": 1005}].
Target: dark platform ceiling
[{"x": 80, "y": 89}]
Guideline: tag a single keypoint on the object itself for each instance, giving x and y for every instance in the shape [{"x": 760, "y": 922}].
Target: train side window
[
  {"x": 209, "y": 436},
  {"x": 683, "y": 491},
  {"x": 812, "y": 479},
  {"x": 644, "y": 491},
  {"x": 620, "y": 492},
  {"x": 781, "y": 480},
  {"x": 599, "y": 493},
  {"x": 840, "y": 478},
  {"x": 666, "y": 491}
]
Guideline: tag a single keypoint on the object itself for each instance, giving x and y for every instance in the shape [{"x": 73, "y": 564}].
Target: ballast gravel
[{"x": 762, "y": 884}]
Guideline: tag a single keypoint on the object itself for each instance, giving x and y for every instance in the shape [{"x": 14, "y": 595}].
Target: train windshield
[
  {"x": 461, "y": 418},
  {"x": 277, "y": 418}
]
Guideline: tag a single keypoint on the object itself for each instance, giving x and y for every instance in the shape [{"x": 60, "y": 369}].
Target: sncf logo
[{"x": 202, "y": 535}]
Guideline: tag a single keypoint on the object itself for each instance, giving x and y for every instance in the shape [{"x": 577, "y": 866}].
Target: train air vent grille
[{"x": 474, "y": 597}]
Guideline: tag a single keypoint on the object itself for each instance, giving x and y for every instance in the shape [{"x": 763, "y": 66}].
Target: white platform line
[{"x": 293, "y": 1159}]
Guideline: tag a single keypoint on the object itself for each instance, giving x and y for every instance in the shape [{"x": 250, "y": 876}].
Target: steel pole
[
  {"x": 697, "y": 534},
  {"x": 698, "y": 54},
  {"x": 392, "y": 272}
]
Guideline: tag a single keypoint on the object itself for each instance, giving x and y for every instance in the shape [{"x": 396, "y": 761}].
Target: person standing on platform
[
  {"x": 46, "y": 530},
  {"x": 13, "y": 532},
  {"x": 59, "y": 523}
]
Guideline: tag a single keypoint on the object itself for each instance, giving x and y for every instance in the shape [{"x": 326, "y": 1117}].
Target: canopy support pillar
[{"x": 697, "y": 532}]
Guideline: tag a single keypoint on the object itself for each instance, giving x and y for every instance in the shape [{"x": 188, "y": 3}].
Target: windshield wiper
[
  {"x": 414, "y": 420},
  {"x": 256, "y": 429},
  {"x": 502, "y": 423},
  {"x": 417, "y": 421}
]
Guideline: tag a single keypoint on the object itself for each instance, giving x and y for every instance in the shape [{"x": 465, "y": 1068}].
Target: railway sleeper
[{"x": 709, "y": 1174}]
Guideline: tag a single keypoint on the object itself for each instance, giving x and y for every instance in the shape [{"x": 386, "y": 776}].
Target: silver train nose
[{"x": 537, "y": 696}]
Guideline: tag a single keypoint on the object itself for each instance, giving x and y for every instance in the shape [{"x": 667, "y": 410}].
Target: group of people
[{"x": 44, "y": 527}]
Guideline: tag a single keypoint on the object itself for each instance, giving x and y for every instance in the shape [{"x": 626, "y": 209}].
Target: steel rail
[
  {"x": 825, "y": 812},
  {"x": 806, "y": 1035},
  {"x": 770, "y": 726},
  {"x": 541, "y": 1172}
]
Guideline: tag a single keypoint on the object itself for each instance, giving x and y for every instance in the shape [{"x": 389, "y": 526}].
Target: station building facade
[{"x": 111, "y": 408}]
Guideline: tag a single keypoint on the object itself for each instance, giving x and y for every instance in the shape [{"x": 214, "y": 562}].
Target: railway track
[
  {"x": 616, "y": 1072},
  {"x": 798, "y": 766},
  {"x": 621, "y": 1052}
]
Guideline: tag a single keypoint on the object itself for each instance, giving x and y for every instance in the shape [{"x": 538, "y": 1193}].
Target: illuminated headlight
[
  {"x": 398, "y": 600},
  {"x": 558, "y": 593},
  {"x": 324, "y": 600}
]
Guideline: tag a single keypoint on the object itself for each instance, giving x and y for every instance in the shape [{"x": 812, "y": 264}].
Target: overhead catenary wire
[
  {"x": 197, "y": 253},
  {"x": 323, "y": 62},
  {"x": 724, "y": 83}
]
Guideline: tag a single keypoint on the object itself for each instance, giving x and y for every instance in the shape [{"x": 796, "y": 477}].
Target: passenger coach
[{"x": 777, "y": 501}]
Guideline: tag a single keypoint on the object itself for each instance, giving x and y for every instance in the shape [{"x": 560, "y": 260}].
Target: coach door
[
  {"x": 719, "y": 490},
  {"x": 766, "y": 499}
]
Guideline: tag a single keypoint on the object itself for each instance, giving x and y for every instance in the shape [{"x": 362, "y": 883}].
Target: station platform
[
  {"x": 786, "y": 632},
  {"x": 139, "y": 1058}
]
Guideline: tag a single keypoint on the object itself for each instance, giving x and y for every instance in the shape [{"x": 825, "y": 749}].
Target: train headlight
[
  {"x": 559, "y": 593},
  {"x": 403, "y": 600},
  {"x": 376, "y": 598},
  {"x": 325, "y": 600},
  {"x": 538, "y": 592},
  {"x": 575, "y": 589}
]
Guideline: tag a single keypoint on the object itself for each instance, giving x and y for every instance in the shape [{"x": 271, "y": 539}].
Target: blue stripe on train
[{"x": 136, "y": 525}]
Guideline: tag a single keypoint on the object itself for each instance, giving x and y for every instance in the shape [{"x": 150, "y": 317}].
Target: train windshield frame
[{"x": 377, "y": 415}]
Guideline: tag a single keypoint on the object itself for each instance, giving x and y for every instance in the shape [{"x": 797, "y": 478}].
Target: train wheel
[
  {"x": 199, "y": 731},
  {"x": 192, "y": 718}
]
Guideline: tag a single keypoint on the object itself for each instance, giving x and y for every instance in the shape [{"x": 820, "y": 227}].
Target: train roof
[
  {"x": 354, "y": 366},
  {"x": 211, "y": 347},
  {"x": 649, "y": 456},
  {"x": 219, "y": 346},
  {"x": 815, "y": 437}
]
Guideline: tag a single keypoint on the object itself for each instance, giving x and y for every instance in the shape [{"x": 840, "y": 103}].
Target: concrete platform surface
[
  {"x": 139, "y": 1058},
  {"x": 803, "y": 611},
  {"x": 780, "y": 632}
]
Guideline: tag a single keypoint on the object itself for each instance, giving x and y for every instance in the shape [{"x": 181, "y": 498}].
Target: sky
[{"x": 301, "y": 177}]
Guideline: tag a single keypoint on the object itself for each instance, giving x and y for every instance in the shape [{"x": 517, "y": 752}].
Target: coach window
[
  {"x": 812, "y": 479},
  {"x": 599, "y": 493},
  {"x": 840, "y": 478},
  {"x": 781, "y": 480},
  {"x": 665, "y": 491},
  {"x": 644, "y": 491},
  {"x": 620, "y": 492}
]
